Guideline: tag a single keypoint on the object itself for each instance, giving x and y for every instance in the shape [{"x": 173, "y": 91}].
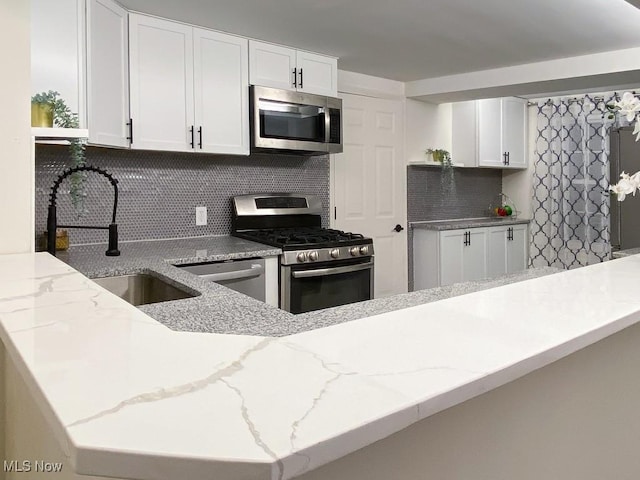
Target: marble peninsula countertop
[
  {"x": 254, "y": 407},
  {"x": 468, "y": 223}
]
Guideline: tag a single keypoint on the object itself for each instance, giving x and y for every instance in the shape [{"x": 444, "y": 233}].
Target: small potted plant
[
  {"x": 440, "y": 155},
  {"x": 42, "y": 110}
]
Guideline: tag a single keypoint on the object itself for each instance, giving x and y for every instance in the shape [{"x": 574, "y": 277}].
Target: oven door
[{"x": 313, "y": 287}]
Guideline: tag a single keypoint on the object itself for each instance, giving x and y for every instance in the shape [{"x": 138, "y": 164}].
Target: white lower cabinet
[
  {"x": 462, "y": 255},
  {"x": 444, "y": 257}
]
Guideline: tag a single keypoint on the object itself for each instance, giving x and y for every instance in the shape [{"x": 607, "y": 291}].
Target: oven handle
[
  {"x": 254, "y": 271},
  {"x": 331, "y": 271}
]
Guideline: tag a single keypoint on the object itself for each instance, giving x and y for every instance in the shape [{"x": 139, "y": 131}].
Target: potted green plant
[
  {"x": 63, "y": 117},
  {"x": 440, "y": 155},
  {"x": 41, "y": 110},
  {"x": 448, "y": 179}
]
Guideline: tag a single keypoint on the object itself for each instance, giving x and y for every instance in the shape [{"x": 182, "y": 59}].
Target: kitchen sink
[{"x": 142, "y": 289}]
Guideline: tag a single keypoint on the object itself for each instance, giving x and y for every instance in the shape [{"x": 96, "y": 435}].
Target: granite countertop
[
  {"x": 218, "y": 309},
  {"x": 244, "y": 407},
  {"x": 468, "y": 223}
]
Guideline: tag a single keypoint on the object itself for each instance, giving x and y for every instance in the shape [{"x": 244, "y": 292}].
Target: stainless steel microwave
[{"x": 283, "y": 120}]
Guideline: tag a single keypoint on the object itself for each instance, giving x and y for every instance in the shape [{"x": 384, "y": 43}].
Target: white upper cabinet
[
  {"x": 107, "y": 74},
  {"x": 221, "y": 76},
  {"x": 161, "y": 60},
  {"x": 490, "y": 133},
  {"x": 189, "y": 88},
  {"x": 272, "y": 66},
  {"x": 289, "y": 69}
]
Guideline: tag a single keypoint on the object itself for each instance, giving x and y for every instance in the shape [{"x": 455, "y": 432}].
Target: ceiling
[{"x": 415, "y": 39}]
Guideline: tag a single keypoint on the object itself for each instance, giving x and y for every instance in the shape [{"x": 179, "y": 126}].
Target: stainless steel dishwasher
[{"x": 244, "y": 276}]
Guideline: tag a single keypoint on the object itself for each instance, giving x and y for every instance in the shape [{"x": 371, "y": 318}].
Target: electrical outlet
[{"x": 201, "y": 216}]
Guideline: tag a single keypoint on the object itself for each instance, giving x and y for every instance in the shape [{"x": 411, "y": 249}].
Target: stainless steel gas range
[{"x": 319, "y": 267}]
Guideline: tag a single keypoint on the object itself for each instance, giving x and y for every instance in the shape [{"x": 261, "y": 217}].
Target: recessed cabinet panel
[
  {"x": 221, "y": 93},
  {"x": 451, "y": 257},
  {"x": 464, "y": 148},
  {"x": 317, "y": 74},
  {"x": 490, "y": 132},
  {"x": 272, "y": 65},
  {"x": 107, "y": 73},
  {"x": 161, "y": 84},
  {"x": 514, "y": 131},
  {"x": 518, "y": 249}
]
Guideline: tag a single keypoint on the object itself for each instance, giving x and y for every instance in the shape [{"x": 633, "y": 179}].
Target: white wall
[
  {"x": 426, "y": 126},
  {"x": 55, "y": 51},
  {"x": 16, "y": 164}
]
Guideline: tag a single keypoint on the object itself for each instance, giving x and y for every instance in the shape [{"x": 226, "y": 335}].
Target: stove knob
[
  {"x": 313, "y": 256},
  {"x": 302, "y": 257},
  {"x": 364, "y": 250},
  {"x": 354, "y": 251},
  {"x": 335, "y": 252}
]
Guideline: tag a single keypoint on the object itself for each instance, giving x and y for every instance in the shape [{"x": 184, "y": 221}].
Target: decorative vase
[{"x": 41, "y": 115}]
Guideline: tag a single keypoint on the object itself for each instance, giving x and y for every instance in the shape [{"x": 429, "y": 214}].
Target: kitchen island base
[{"x": 575, "y": 418}]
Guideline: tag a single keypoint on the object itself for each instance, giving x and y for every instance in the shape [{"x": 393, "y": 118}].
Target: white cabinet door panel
[
  {"x": 514, "y": 131},
  {"x": 221, "y": 82},
  {"x": 475, "y": 255},
  {"x": 496, "y": 251},
  {"x": 464, "y": 127},
  {"x": 517, "y": 249},
  {"x": 451, "y": 256},
  {"x": 272, "y": 65},
  {"x": 489, "y": 133},
  {"x": 107, "y": 73},
  {"x": 161, "y": 62},
  {"x": 317, "y": 74}
]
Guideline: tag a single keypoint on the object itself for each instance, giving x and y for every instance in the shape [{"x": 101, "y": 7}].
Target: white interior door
[{"x": 369, "y": 185}]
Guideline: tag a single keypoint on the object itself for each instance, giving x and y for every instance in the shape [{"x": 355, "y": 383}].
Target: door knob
[{"x": 398, "y": 228}]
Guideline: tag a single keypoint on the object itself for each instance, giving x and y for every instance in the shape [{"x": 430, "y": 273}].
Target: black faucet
[{"x": 112, "y": 249}]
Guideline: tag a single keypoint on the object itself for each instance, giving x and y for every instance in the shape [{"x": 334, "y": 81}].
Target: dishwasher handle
[{"x": 255, "y": 271}]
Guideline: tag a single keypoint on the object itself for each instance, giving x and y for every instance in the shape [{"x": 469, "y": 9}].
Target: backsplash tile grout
[{"x": 158, "y": 191}]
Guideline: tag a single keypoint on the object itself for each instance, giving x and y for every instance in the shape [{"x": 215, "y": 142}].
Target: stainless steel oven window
[{"x": 314, "y": 287}]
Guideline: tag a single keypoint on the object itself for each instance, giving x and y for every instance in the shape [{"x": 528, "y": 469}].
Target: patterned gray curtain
[{"x": 570, "y": 225}]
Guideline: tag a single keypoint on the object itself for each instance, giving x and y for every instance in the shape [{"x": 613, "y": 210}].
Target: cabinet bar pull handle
[
  {"x": 200, "y": 136},
  {"x": 300, "y": 79},
  {"x": 130, "y": 125},
  {"x": 508, "y": 157},
  {"x": 295, "y": 77},
  {"x": 192, "y": 139}
]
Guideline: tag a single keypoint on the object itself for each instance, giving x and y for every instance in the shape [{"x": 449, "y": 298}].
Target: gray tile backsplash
[
  {"x": 428, "y": 198},
  {"x": 158, "y": 191}
]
